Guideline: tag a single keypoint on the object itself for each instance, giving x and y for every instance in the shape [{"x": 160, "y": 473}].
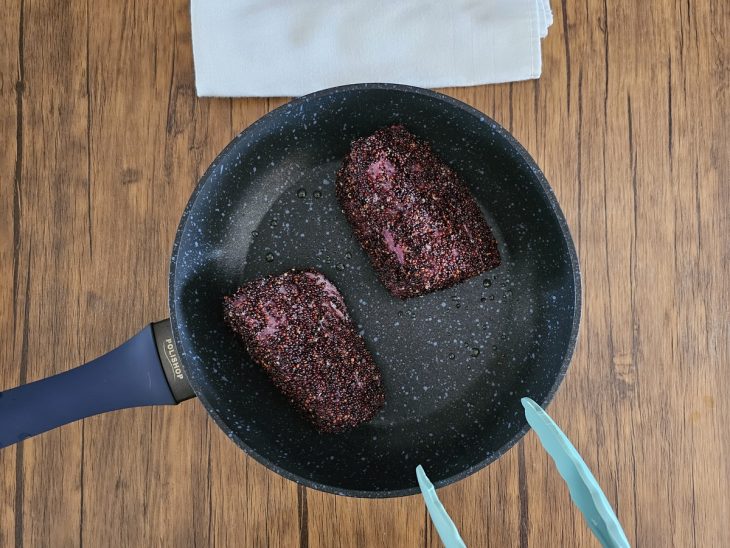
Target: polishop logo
[{"x": 171, "y": 354}]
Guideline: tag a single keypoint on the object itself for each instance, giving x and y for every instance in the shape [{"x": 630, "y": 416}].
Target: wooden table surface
[{"x": 103, "y": 139}]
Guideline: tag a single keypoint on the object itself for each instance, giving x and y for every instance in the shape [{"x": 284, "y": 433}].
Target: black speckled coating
[{"x": 455, "y": 362}]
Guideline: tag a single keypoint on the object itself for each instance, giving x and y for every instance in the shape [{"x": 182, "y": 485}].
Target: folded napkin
[{"x": 293, "y": 47}]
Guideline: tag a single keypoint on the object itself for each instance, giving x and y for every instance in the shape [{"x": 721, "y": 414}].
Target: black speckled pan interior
[{"x": 455, "y": 363}]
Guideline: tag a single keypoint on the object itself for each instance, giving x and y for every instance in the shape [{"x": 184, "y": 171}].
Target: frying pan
[{"x": 455, "y": 363}]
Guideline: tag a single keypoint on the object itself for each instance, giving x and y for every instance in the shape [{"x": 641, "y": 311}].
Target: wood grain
[{"x": 103, "y": 140}]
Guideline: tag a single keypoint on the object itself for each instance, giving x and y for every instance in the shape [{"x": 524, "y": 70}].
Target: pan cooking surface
[{"x": 454, "y": 362}]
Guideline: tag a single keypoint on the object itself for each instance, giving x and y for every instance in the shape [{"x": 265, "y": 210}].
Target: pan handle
[{"x": 145, "y": 370}]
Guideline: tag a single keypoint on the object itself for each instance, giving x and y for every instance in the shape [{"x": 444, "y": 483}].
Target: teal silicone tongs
[{"x": 584, "y": 489}]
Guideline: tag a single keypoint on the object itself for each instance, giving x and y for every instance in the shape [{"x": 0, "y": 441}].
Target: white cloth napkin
[{"x": 292, "y": 47}]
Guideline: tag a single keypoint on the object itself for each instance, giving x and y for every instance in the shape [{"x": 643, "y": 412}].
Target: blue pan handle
[{"x": 145, "y": 370}]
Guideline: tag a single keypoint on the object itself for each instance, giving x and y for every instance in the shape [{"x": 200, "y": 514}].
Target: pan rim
[{"x": 554, "y": 208}]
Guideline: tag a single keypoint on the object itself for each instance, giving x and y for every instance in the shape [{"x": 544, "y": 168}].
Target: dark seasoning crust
[
  {"x": 423, "y": 232},
  {"x": 296, "y": 326},
  {"x": 412, "y": 214}
]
